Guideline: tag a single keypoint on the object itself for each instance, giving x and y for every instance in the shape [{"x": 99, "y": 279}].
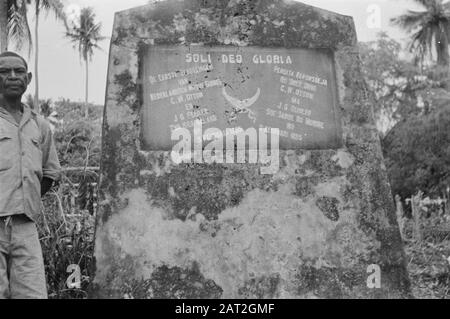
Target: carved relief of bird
[{"x": 241, "y": 106}]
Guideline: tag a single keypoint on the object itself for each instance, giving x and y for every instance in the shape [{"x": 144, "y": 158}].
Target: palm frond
[
  {"x": 18, "y": 27},
  {"x": 85, "y": 34},
  {"x": 55, "y": 6},
  {"x": 429, "y": 29},
  {"x": 422, "y": 43},
  {"x": 429, "y": 4},
  {"x": 411, "y": 20}
]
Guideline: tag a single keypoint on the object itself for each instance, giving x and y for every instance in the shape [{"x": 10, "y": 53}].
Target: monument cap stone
[{"x": 323, "y": 225}]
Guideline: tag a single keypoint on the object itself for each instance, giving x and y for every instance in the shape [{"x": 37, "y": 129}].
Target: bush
[{"x": 417, "y": 154}]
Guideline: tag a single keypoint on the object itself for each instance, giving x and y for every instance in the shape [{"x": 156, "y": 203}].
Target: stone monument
[{"x": 320, "y": 223}]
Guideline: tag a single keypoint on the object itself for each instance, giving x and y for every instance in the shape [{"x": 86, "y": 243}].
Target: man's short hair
[{"x": 13, "y": 54}]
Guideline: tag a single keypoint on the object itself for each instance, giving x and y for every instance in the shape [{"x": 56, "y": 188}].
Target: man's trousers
[{"x": 22, "y": 274}]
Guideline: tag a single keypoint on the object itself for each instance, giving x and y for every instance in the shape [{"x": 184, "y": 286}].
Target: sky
[{"x": 61, "y": 71}]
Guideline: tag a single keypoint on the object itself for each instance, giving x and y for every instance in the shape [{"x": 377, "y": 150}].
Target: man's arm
[
  {"x": 50, "y": 163},
  {"x": 46, "y": 184}
]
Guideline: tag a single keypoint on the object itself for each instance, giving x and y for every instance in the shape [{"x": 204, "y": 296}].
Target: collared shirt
[{"x": 27, "y": 155}]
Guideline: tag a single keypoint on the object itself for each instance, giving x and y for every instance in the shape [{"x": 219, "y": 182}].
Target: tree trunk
[
  {"x": 3, "y": 25},
  {"x": 36, "y": 60},
  {"x": 443, "y": 59},
  {"x": 86, "y": 110},
  {"x": 442, "y": 51}
]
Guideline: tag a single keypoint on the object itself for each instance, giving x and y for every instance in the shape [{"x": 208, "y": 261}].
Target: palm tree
[
  {"x": 85, "y": 35},
  {"x": 4, "y": 7},
  {"x": 57, "y": 8},
  {"x": 14, "y": 24},
  {"x": 430, "y": 29}
]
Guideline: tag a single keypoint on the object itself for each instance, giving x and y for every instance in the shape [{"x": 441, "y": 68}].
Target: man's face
[{"x": 14, "y": 78}]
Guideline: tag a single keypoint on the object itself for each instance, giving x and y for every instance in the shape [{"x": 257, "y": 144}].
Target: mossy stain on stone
[
  {"x": 329, "y": 206},
  {"x": 180, "y": 283},
  {"x": 264, "y": 287}
]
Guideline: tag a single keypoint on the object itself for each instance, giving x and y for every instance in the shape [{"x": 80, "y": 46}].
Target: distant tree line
[{"x": 411, "y": 99}]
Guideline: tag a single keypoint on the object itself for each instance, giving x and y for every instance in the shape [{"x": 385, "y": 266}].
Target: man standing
[{"x": 28, "y": 167}]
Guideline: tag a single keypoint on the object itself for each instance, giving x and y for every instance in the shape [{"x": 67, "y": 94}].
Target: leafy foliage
[
  {"x": 77, "y": 140},
  {"x": 430, "y": 29},
  {"x": 417, "y": 153},
  {"x": 67, "y": 224},
  {"x": 401, "y": 89}
]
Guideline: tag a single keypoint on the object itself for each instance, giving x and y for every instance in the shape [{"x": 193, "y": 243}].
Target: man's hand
[{"x": 46, "y": 184}]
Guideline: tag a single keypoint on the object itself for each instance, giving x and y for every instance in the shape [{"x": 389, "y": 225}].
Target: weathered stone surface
[{"x": 224, "y": 230}]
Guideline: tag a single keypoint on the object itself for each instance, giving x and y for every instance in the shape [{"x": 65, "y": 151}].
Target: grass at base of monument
[
  {"x": 428, "y": 260},
  {"x": 67, "y": 238},
  {"x": 66, "y": 227},
  {"x": 428, "y": 270}
]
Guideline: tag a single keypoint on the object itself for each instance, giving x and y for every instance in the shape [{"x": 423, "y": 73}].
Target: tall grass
[{"x": 67, "y": 238}]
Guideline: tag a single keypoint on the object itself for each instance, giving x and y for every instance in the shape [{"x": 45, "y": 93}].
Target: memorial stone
[{"x": 319, "y": 226}]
